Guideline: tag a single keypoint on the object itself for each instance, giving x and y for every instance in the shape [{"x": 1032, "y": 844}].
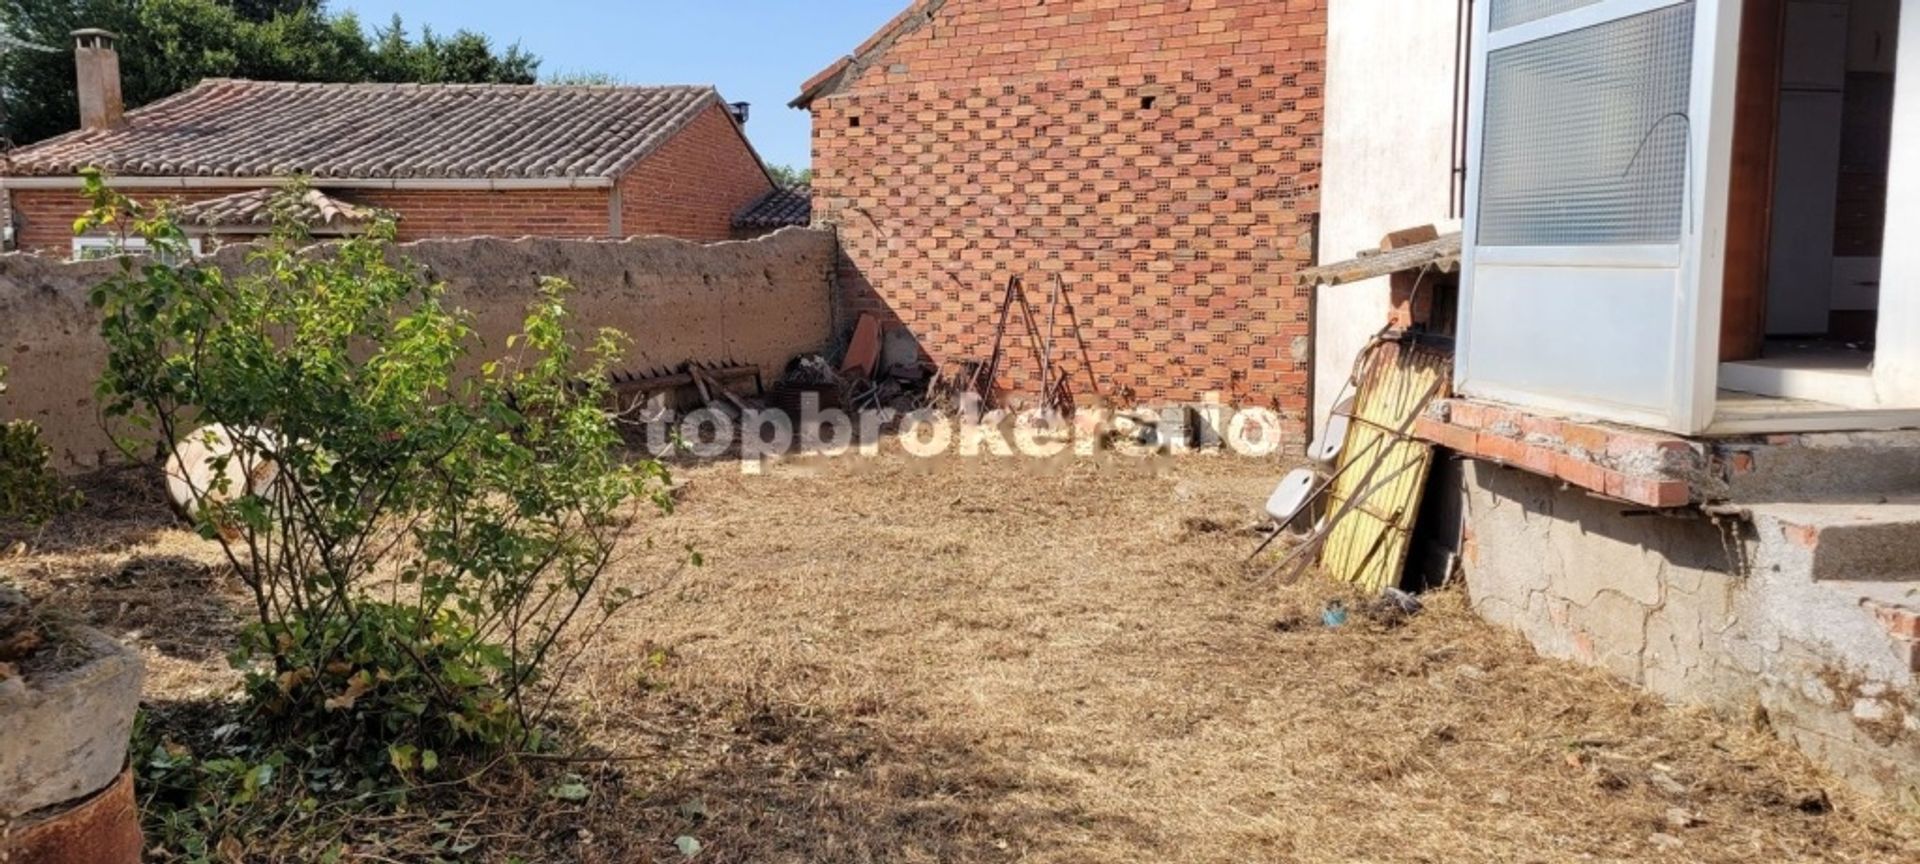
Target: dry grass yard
[{"x": 967, "y": 661}]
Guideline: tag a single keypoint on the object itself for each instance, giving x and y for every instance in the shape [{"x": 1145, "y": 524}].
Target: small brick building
[
  {"x": 449, "y": 160},
  {"x": 1163, "y": 158}
]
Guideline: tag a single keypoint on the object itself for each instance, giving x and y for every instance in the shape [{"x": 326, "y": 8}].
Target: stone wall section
[{"x": 1722, "y": 614}]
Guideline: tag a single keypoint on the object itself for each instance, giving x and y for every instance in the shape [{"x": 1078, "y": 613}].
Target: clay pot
[{"x": 103, "y": 828}]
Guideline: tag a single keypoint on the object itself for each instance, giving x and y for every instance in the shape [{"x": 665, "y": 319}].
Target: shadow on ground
[
  {"x": 175, "y": 604},
  {"x": 785, "y": 782},
  {"x": 124, "y": 563},
  {"x": 767, "y": 783},
  {"x": 123, "y": 507}
]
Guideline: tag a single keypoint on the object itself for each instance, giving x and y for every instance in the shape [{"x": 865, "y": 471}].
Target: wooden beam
[{"x": 1756, "y": 124}]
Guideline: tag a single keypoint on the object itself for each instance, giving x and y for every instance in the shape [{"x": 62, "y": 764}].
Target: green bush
[
  {"x": 434, "y": 525},
  {"x": 30, "y": 491}
]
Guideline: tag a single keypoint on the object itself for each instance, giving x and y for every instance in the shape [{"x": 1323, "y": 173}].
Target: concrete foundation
[{"x": 1722, "y": 611}]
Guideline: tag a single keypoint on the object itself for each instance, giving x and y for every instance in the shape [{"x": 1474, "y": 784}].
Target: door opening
[{"x": 1808, "y": 207}]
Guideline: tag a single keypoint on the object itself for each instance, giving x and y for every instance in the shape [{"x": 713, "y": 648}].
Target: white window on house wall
[
  {"x": 1586, "y": 208},
  {"x": 1605, "y": 273},
  {"x": 88, "y": 248},
  {"x": 1587, "y": 133},
  {"x": 1512, "y": 13}
]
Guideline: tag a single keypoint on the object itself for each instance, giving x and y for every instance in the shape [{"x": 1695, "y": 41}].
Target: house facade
[
  {"x": 1149, "y": 170},
  {"x": 447, "y": 160},
  {"x": 1681, "y": 441}
]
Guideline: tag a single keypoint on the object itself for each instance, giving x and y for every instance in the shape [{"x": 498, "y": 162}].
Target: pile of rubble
[{"x": 886, "y": 374}]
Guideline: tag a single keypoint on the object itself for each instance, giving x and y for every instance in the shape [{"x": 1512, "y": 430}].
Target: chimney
[
  {"x": 739, "y": 111},
  {"x": 98, "y": 66}
]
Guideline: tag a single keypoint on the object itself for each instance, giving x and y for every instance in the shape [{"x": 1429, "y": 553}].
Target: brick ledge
[{"x": 1635, "y": 466}]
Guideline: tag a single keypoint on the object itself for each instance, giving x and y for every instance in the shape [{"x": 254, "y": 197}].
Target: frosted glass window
[
  {"x": 1585, "y": 135},
  {"x": 1510, "y": 13}
]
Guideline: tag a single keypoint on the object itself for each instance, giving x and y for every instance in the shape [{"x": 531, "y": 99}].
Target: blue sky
[{"x": 754, "y": 50}]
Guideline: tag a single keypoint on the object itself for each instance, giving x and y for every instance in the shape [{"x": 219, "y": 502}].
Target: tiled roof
[
  {"x": 235, "y": 128},
  {"x": 780, "y": 208},
  {"x": 253, "y": 210}
]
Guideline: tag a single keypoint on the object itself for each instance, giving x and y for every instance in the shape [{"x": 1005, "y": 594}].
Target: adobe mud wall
[{"x": 759, "y": 302}]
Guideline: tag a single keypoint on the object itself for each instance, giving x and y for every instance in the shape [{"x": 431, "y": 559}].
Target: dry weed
[{"x": 968, "y": 660}]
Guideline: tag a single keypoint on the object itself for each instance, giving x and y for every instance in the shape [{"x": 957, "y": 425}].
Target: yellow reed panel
[{"x": 1382, "y": 470}]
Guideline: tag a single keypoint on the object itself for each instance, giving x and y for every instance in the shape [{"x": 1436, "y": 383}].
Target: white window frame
[
  {"x": 1690, "y": 339},
  {"x": 91, "y": 246}
]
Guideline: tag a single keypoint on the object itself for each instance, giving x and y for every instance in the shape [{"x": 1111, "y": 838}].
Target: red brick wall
[
  {"x": 44, "y": 217},
  {"x": 694, "y": 184},
  {"x": 1012, "y": 137},
  {"x": 566, "y": 213}
]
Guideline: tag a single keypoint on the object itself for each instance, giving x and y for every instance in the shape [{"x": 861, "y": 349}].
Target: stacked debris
[
  {"x": 901, "y": 389},
  {"x": 879, "y": 375},
  {"x": 1041, "y": 327},
  {"x": 808, "y": 374},
  {"x": 646, "y": 396},
  {"x": 1358, "y": 505},
  {"x": 954, "y": 383}
]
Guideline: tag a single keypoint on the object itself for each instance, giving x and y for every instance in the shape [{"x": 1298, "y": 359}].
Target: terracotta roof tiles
[
  {"x": 778, "y": 209},
  {"x": 237, "y": 128},
  {"x": 253, "y": 210}
]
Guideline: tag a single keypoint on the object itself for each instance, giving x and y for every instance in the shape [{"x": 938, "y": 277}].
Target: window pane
[
  {"x": 1509, "y": 13},
  {"x": 1585, "y": 138}
]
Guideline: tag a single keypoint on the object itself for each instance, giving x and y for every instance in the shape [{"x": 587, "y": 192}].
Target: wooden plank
[
  {"x": 628, "y": 386},
  {"x": 1441, "y": 255},
  {"x": 863, "y": 350},
  {"x": 1756, "y": 122},
  {"x": 709, "y": 385}
]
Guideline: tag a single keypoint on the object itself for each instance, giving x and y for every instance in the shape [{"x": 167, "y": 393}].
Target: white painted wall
[
  {"x": 1388, "y": 158},
  {"x": 1896, "y": 354}
]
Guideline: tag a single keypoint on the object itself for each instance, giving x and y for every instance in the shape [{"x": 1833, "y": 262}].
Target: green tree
[
  {"x": 29, "y": 488},
  {"x": 168, "y": 45},
  {"x": 584, "y": 78},
  {"x": 790, "y": 177},
  {"x": 262, "y": 10}
]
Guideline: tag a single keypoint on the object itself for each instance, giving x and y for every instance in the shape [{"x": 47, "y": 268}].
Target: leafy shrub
[
  {"x": 30, "y": 491},
  {"x": 434, "y": 525}
]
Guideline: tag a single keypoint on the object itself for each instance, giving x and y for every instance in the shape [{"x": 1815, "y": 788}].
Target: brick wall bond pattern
[
  {"x": 694, "y": 185},
  {"x": 44, "y": 217},
  {"x": 1162, "y": 158}
]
